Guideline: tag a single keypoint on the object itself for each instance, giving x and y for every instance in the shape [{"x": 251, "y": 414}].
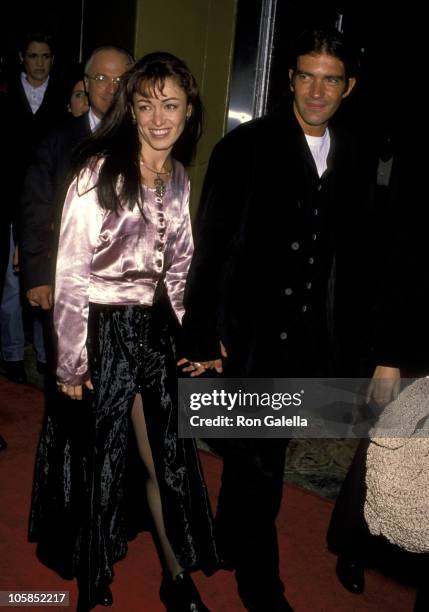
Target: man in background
[
  {"x": 48, "y": 175},
  {"x": 33, "y": 104}
]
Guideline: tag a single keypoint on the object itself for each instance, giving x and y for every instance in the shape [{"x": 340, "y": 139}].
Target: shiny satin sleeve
[
  {"x": 183, "y": 248},
  {"x": 79, "y": 234}
]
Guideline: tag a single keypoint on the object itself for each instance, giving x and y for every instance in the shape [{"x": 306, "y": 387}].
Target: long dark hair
[{"x": 116, "y": 138}]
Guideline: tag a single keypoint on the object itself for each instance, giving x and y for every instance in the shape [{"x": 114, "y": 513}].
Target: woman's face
[
  {"x": 161, "y": 116},
  {"x": 78, "y": 104}
]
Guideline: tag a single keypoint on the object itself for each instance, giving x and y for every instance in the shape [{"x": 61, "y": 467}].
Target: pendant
[{"x": 159, "y": 187}]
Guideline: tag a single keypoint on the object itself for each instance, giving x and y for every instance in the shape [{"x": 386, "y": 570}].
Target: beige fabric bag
[{"x": 397, "y": 476}]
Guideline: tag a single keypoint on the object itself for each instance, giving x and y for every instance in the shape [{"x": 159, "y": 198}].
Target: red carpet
[{"x": 308, "y": 569}]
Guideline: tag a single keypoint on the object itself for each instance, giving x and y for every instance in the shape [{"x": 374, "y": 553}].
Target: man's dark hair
[
  {"x": 40, "y": 36},
  {"x": 116, "y": 139},
  {"x": 329, "y": 42}
]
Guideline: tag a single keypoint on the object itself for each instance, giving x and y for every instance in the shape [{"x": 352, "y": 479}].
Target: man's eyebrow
[{"x": 325, "y": 76}]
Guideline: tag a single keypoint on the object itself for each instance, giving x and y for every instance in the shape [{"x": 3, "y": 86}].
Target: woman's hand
[
  {"x": 196, "y": 368},
  {"x": 384, "y": 386},
  {"x": 74, "y": 392}
]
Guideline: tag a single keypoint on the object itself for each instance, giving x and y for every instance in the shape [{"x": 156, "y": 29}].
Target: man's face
[
  {"x": 111, "y": 65},
  {"x": 37, "y": 62},
  {"x": 319, "y": 86}
]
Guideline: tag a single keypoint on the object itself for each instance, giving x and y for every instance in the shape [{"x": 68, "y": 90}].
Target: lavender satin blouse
[{"x": 111, "y": 258}]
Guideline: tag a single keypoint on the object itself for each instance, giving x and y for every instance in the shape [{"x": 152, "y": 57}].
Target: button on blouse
[{"x": 110, "y": 258}]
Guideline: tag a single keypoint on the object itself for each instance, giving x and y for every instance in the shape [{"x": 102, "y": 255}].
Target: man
[
  {"x": 400, "y": 351},
  {"x": 46, "y": 184},
  {"x": 46, "y": 180},
  {"x": 270, "y": 221},
  {"x": 33, "y": 104}
]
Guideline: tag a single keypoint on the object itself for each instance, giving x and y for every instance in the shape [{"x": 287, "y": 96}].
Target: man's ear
[
  {"x": 291, "y": 75},
  {"x": 350, "y": 85},
  {"x": 21, "y": 58}
]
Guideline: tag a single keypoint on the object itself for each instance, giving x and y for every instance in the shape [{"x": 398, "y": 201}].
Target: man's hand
[
  {"x": 74, "y": 392},
  {"x": 384, "y": 386},
  {"x": 196, "y": 368},
  {"x": 41, "y": 296}
]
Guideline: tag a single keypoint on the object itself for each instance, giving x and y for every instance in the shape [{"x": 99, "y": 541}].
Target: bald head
[{"x": 110, "y": 63}]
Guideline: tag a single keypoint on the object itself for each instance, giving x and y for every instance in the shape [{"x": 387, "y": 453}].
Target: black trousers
[
  {"x": 348, "y": 533},
  {"x": 249, "y": 501}
]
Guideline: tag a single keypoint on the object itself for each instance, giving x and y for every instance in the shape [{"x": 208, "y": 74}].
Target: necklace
[{"x": 158, "y": 181}]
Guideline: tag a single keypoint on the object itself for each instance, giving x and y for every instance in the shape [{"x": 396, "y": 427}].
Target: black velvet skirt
[{"x": 89, "y": 493}]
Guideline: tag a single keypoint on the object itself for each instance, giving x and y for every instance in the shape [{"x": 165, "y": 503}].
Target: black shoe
[
  {"x": 422, "y": 600},
  {"x": 181, "y": 595},
  {"x": 3, "y": 444},
  {"x": 280, "y": 606},
  {"x": 15, "y": 371},
  {"x": 351, "y": 574},
  {"x": 104, "y": 596},
  {"x": 41, "y": 367},
  {"x": 268, "y": 604}
]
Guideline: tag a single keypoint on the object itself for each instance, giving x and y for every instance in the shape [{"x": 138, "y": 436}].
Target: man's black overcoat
[
  {"x": 43, "y": 195},
  {"x": 271, "y": 238}
]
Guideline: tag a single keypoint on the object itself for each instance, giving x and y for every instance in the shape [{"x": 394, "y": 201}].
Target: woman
[
  {"x": 78, "y": 102},
  {"x": 77, "y": 98},
  {"x": 401, "y": 340},
  {"x": 124, "y": 251}
]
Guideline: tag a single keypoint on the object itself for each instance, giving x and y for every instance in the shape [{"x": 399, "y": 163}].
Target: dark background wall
[
  {"x": 111, "y": 22},
  {"x": 77, "y": 26},
  {"x": 211, "y": 34}
]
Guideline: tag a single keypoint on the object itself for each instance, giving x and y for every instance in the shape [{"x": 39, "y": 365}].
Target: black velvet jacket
[{"x": 267, "y": 232}]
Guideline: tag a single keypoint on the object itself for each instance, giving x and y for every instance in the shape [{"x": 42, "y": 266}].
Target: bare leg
[{"x": 168, "y": 559}]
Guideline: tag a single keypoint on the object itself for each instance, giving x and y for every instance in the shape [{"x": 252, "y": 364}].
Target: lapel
[
  {"x": 83, "y": 127},
  {"x": 46, "y": 98},
  {"x": 293, "y": 154},
  {"x": 22, "y": 98},
  {"x": 333, "y": 156}
]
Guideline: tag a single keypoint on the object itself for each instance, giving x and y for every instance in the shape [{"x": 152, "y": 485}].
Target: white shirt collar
[
  {"x": 34, "y": 95},
  {"x": 93, "y": 120}
]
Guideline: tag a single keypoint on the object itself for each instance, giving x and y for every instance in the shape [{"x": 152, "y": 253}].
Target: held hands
[
  {"x": 196, "y": 368},
  {"x": 41, "y": 296},
  {"x": 384, "y": 386},
  {"x": 74, "y": 392}
]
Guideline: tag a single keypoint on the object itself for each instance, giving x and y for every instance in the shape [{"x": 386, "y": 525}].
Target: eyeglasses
[{"x": 103, "y": 80}]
